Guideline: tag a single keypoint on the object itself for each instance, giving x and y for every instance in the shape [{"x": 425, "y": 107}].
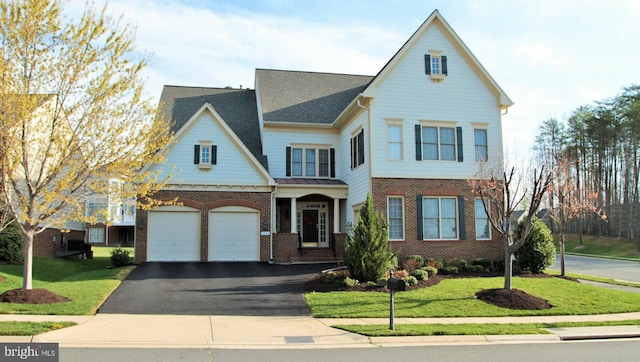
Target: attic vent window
[
  {"x": 435, "y": 65},
  {"x": 205, "y": 155}
]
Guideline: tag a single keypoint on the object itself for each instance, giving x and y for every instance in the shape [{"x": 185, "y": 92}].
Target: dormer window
[
  {"x": 205, "y": 155},
  {"x": 436, "y": 65}
]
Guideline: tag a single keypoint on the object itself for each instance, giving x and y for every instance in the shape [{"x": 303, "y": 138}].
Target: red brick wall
[
  {"x": 205, "y": 201},
  {"x": 468, "y": 248},
  {"x": 43, "y": 244}
]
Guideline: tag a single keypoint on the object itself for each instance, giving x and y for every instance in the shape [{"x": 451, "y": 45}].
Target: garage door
[
  {"x": 173, "y": 234},
  {"x": 234, "y": 234}
]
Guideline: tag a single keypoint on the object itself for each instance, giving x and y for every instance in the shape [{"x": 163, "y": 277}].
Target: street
[
  {"x": 608, "y": 268},
  {"x": 609, "y": 350}
]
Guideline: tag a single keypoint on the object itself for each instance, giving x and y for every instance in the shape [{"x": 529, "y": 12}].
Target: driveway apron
[{"x": 250, "y": 289}]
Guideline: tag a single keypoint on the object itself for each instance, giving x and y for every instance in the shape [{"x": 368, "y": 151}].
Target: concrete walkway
[{"x": 163, "y": 331}]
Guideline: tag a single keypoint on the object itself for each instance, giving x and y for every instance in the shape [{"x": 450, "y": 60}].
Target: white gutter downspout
[{"x": 271, "y": 223}]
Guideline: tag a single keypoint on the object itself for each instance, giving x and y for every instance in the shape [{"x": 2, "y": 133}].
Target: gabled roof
[
  {"x": 237, "y": 107},
  {"x": 435, "y": 19},
  {"x": 306, "y": 97}
]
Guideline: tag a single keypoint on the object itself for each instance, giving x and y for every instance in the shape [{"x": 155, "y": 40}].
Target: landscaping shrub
[
  {"x": 412, "y": 262},
  {"x": 448, "y": 270},
  {"x": 430, "y": 270},
  {"x": 350, "y": 282},
  {"x": 458, "y": 263},
  {"x": 410, "y": 280},
  {"x": 473, "y": 269},
  {"x": 367, "y": 254},
  {"x": 11, "y": 241},
  {"x": 420, "y": 274},
  {"x": 328, "y": 278},
  {"x": 538, "y": 252},
  {"x": 486, "y": 264},
  {"x": 436, "y": 263},
  {"x": 120, "y": 257}
]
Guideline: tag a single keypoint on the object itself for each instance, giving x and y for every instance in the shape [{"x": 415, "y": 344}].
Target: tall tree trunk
[{"x": 28, "y": 260}]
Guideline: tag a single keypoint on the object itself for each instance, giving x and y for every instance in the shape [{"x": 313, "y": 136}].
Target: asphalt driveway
[{"x": 250, "y": 289}]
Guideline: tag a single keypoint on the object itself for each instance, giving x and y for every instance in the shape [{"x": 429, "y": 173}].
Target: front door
[{"x": 310, "y": 226}]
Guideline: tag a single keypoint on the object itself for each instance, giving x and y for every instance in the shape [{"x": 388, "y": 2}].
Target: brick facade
[
  {"x": 44, "y": 245},
  {"x": 206, "y": 201},
  {"x": 468, "y": 248}
]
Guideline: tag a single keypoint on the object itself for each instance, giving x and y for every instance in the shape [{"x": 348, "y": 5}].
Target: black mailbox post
[{"x": 394, "y": 285}]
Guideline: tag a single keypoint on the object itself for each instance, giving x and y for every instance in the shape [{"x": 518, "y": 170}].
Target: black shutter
[
  {"x": 461, "y": 220},
  {"x": 361, "y": 148},
  {"x": 332, "y": 160},
  {"x": 214, "y": 154},
  {"x": 196, "y": 154},
  {"x": 427, "y": 64},
  {"x": 352, "y": 153},
  {"x": 288, "y": 172},
  {"x": 444, "y": 64},
  {"x": 418, "y": 142},
  {"x": 459, "y": 141},
  {"x": 419, "y": 216}
]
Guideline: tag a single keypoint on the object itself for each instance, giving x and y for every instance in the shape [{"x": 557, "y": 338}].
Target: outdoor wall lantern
[
  {"x": 265, "y": 225},
  {"x": 141, "y": 224}
]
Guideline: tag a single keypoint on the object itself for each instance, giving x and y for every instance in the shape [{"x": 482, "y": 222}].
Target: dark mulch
[
  {"x": 512, "y": 299},
  {"x": 31, "y": 296}
]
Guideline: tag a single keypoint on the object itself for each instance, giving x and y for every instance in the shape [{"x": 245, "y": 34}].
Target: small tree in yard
[
  {"x": 72, "y": 114},
  {"x": 568, "y": 203},
  {"x": 501, "y": 198},
  {"x": 367, "y": 254},
  {"x": 538, "y": 252}
]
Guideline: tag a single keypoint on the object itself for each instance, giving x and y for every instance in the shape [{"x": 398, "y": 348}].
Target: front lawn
[
  {"x": 456, "y": 298},
  {"x": 86, "y": 282}
]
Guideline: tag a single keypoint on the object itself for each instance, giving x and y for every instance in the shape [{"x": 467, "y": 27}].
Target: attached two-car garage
[{"x": 174, "y": 234}]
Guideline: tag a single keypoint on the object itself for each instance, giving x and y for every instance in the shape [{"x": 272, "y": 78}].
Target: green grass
[
  {"x": 382, "y": 330},
  {"x": 611, "y": 247},
  {"x": 30, "y": 328},
  {"x": 86, "y": 282},
  {"x": 456, "y": 298}
]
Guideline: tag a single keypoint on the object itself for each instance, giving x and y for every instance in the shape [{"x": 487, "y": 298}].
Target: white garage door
[
  {"x": 173, "y": 234},
  {"x": 234, "y": 234}
]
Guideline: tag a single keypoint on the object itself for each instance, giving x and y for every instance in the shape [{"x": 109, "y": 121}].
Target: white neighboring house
[{"x": 114, "y": 219}]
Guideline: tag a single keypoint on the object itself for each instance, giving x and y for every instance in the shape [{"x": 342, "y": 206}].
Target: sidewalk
[{"x": 178, "y": 331}]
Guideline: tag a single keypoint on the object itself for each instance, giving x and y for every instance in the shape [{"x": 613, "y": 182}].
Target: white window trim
[
  {"x": 438, "y": 125},
  {"x": 205, "y": 144},
  {"x": 487, "y": 218},
  {"x": 395, "y": 123},
  {"x": 436, "y": 54},
  {"x": 316, "y": 148},
  {"x": 403, "y": 217},
  {"x": 457, "y": 223},
  {"x": 354, "y": 148},
  {"x": 93, "y": 232},
  {"x": 475, "y": 127}
]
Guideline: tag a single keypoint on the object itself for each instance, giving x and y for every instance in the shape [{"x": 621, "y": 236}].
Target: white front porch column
[
  {"x": 294, "y": 216},
  {"x": 336, "y": 216}
]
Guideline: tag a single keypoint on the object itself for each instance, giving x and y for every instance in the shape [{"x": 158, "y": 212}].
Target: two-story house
[
  {"x": 279, "y": 173},
  {"x": 111, "y": 218}
]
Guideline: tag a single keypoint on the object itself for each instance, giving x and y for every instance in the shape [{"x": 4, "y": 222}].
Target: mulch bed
[
  {"x": 503, "y": 298},
  {"x": 31, "y": 296}
]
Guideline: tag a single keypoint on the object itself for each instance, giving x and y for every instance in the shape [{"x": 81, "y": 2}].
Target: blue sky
[{"x": 549, "y": 56}]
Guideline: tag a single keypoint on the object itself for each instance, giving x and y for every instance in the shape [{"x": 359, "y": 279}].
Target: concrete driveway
[{"x": 249, "y": 289}]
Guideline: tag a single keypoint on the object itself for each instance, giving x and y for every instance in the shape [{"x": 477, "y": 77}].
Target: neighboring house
[
  {"x": 279, "y": 173},
  {"x": 115, "y": 219},
  {"x": 49, "y": 240}
]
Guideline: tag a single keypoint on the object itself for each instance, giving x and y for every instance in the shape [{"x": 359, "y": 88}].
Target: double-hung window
[
  {"x": 437, "y": 143},
  {"x": 96, "y": 235},
  {"x": 480, "y": 139},
  {"x": 394, "y": 141},
  {"x": 205, "y": 154},
  {"x": 435, "y": 65},
  {"x": 357, "y": 149},
  {"x": 395, "y": 217},
  {"x": 439, "y": 218},
  {"x": 483, "y": 227},
  {"x": 310, "y": 162}
]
